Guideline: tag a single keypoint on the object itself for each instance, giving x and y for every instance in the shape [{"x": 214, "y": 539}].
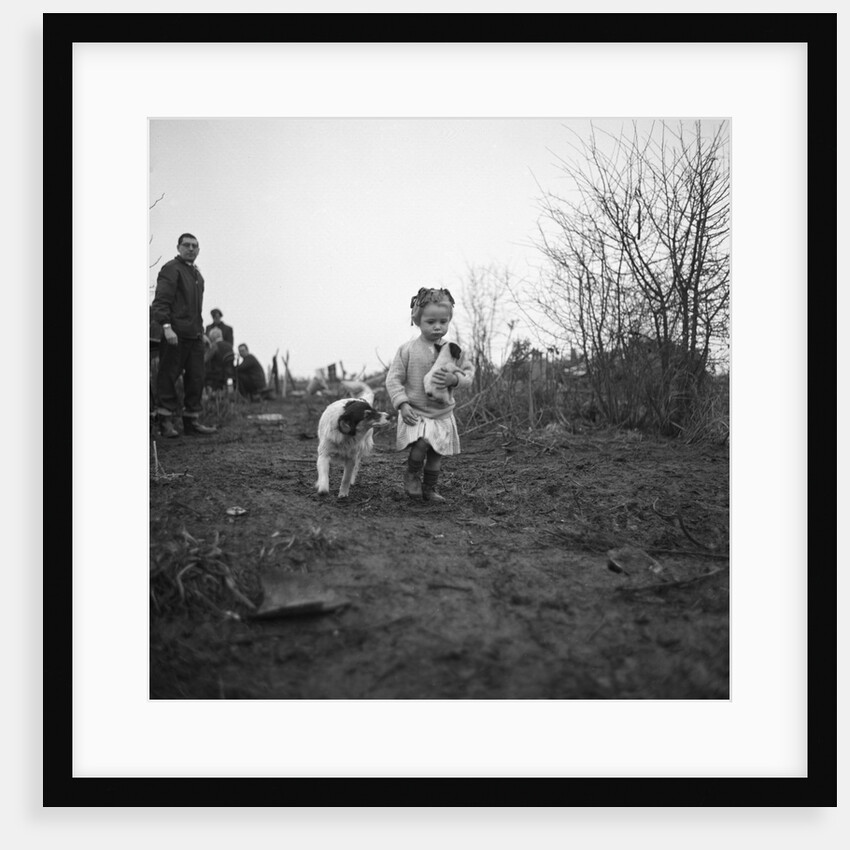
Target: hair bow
[{"x": 427, "y": 296}]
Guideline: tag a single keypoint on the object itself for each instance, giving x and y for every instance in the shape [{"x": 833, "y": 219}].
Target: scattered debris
[
  {"x": 188, "y": 570},
  {"x": 265, "y": 417},
  {"x": 159, "y": 470},
  {"x": 485, "y": 522},
  {"x": 188, "y": 508},
  {"x": 296, "y": 595},
  {"x": 629, "y": 560},
  {"x": 677, "y": 517},
  {"x": 435, "y": 586},
  {"x": 670, "y": 585}
]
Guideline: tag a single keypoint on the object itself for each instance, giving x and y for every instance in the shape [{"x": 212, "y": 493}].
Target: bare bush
[
  {"x": 638, "y": 275},
  {"x": 483, "y": 325}
]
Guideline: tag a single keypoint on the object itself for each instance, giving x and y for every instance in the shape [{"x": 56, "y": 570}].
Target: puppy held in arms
[
  {"x": 345, "y": 434},
  {"x": 449, "y": 354}
]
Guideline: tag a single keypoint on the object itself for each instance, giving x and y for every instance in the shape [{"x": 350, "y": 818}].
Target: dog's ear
[
  {"x": 352, "y": 415},
  {"x": 454, "y": 350}
]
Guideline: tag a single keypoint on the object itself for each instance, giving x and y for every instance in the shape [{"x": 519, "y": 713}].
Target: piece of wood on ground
[
  {"x": 631, "y": 560},
  {"x": 296, "y": 595}
]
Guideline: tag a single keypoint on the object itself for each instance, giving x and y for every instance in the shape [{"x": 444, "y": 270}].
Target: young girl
[{"x": 426, "y": 427}]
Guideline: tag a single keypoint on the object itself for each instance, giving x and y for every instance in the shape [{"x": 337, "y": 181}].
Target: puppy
[
  {"x": 345, "y": 433},
  {"x": 449, "y": 353}
]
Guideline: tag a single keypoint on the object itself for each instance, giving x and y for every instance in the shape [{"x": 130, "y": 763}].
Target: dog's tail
[{"x": 359, "y": 389}]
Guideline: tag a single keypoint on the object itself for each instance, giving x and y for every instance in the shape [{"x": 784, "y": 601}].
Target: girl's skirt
[{"x": 441, "y": 434}]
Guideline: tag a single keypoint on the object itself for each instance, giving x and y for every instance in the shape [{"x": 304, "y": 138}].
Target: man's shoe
[
  {"x": 166, "y": 427},
  {"x": 412, "y": 484},
  {"x": 192, "y": 427}
]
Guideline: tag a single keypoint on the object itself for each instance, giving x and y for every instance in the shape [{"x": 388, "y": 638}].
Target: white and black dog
[
  {"x": 447, "y": 359},
  {"x": 345, "y": 433}
]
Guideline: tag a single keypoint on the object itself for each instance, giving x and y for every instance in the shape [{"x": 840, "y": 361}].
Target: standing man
[
  {"x": 177, "y": 306},
  {"x": 226, "y": 330}
]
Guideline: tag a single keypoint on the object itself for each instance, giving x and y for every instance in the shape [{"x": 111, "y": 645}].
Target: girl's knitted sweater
[{"x": 406, "y": 378}]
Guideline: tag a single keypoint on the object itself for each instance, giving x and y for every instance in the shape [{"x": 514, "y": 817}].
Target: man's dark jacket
[{"x": 179, "y": 298}]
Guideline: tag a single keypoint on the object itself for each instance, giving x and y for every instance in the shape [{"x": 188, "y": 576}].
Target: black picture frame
[{"x": 61, "y": 788}]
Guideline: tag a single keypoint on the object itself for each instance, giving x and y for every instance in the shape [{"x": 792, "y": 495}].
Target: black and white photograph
[
  {"x": 439, "y": 408},
  {"x": 476, "y": 445}
]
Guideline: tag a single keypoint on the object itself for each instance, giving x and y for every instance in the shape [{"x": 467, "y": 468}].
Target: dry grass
[
  {"x": 187, "y": 572},
  {"x": 516, "y": 407},
  {"x": 708, "y": 421}
]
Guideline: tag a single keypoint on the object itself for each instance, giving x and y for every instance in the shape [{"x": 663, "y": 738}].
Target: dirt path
[{"x": 504, "y": 592}]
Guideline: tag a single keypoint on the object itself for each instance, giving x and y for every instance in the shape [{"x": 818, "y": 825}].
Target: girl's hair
[{"x": 429, "y": 296}]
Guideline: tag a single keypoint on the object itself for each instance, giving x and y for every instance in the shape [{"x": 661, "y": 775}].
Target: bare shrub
[{"x": 638, "y": 277}]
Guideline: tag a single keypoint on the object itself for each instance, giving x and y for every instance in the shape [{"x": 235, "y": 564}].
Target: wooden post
[{"x": 286, "y": 375}]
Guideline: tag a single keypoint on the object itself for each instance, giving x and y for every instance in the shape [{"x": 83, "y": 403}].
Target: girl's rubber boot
[
  {"x": 429, "y": 488},
  {"x": 412, "y": 484}
]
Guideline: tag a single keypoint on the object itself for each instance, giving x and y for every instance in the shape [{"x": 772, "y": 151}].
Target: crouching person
[{"x": 250, "y": 376}]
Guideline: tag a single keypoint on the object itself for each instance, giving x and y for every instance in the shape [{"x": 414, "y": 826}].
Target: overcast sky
[{"x": 315, "y": 233}]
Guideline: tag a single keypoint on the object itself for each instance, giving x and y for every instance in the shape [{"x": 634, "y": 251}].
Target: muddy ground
[{"x": 504, "y": 592}]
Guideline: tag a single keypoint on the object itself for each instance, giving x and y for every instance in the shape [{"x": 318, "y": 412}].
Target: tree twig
[
  {"x": 188, "y": 508},
  {"x": 723, "y": 556},
  {"x": 681, "y": 521},
  {"x": 666, "y": 585},
  {"x": 449, "y": 587}
]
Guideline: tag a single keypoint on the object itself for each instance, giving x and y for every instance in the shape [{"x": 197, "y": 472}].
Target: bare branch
[
  {"x": 678, "y": 516},
  {"x": 639, "y": 263},
  {"x": 384, "y": 365}
]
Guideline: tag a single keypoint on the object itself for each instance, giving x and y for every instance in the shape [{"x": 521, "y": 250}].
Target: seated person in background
[
  {"x": 250, "y": 376},
  {"x": 218, "y": 361}
]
